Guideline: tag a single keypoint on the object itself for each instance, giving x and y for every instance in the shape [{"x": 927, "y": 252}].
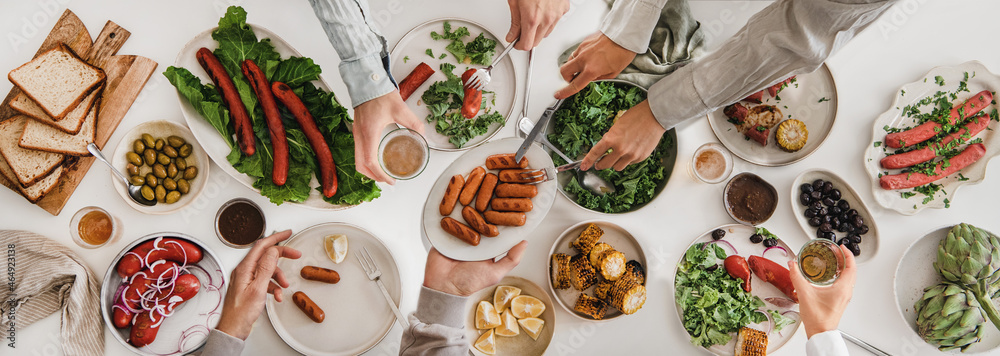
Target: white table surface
[{"x": 910, "y": 39}]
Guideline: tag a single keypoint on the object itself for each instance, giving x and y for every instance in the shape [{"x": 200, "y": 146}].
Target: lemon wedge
[
  {"x": 336, "y": 247},
  {"x": 509, "y": 326},
  {"x": 503, "y": 295},
  {"x": 526, "y": 306},
  {"x": 486, "y": 344},
  {"x": 487, "y": 316},
  {"x": 532, "y": 326}
]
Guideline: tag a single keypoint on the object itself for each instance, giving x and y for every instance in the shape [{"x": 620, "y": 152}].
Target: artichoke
[
  {"x": 970, "y": 257},
  {"x": 949, "y": 317}
]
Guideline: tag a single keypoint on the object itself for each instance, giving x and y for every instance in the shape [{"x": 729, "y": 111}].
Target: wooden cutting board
[{"x": 126, "y": 75}]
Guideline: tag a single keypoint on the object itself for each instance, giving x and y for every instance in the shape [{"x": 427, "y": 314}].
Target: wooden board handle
[{"x": 107, "y": 44}]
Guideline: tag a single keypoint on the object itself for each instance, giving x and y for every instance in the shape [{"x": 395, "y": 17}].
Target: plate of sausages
[
  {"x": 333, "y": 308},
  {"x": 162, "y": 294},
  {"x": 482, "y": 204},
  {"x": 916, "y": 164}
]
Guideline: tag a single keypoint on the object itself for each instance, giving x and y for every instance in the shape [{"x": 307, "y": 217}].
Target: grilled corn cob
[
  {"x": 612, "y": 265},
  {"x": 792, "y": 135},
  {"x": 581, "y": 274},
  {"x": 751, "y": 342},
  {"x": 634, "y": 271},
  {"x": 627, "y": 296},
  {"x": 590, "y": 306},
  {"x": 559, "y": 270},
  {"x": 603, "y": 290},
  {"x": 596, "y": 251},
  {"x": 587, "y": 239}
]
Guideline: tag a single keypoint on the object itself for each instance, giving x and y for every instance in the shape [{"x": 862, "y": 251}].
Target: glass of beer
[
  {"x": 403, "y": 153},
  {"x": 821, "y": 261},
  {"x": 93, "y": 227}
]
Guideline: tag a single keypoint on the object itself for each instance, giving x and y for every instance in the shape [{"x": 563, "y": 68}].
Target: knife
[{"x": 542, "y": 122}]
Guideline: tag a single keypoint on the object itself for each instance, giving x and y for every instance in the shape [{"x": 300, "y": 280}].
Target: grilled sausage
[
  {"x": 477, "y": 223},
  {"x": 906, "y": 159},
  {"x": 451, "y": 194},
  {"x": 486, "y": 192},
  {"x": 472, "y": 185},
  {"x": 414, "y": 80},
  {"x": 231, "y": 97},
  {"x": 515, "y": 176},
  {"x": 509, "y": 190},
  {"x": 461, "y": 231},
  {"x": 929, "y": 129},
  {"x": 320, "y": 274},
  {"x": 328, "y": 169},
  {"x": 505, "y": 218},
  {"x": 473, "y": 99},
  {"x": 511, "y": 204},
  {"x": 309, "y": 307},
  {"x": 505, "y": 161},
  {"x": 968, "y": 156},
  {"x": 275, "y": 129}
]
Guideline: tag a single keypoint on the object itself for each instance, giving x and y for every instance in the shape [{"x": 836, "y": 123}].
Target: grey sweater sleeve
[
  {"x": 221, "y": 344},
  {"x": 436, "y": 328}
]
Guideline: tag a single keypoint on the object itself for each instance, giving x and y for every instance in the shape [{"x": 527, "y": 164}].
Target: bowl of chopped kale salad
[{"x": 579, "y": 123}]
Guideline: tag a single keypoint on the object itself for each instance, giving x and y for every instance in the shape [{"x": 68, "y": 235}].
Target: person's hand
[
  {"x": 821, "y": 307},
  {"x": 370, "y": 119},
  {"x": 464, "y": 278},
  {"x": 597, "y": 57},
  {"x": 631, "y": 139},
  {"x": 533, "y": 20},
  {"x": 250, "y": 283}
]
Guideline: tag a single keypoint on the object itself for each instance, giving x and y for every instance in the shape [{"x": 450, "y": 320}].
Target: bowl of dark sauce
[
  {"x": 749, "y": 199},
  {"x": 239, "y": 223}
]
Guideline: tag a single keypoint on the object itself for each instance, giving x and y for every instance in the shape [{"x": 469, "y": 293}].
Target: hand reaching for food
[
  {"x": 821, "y": 307},
  {"x": 533, "y": 20},
  {"x": 256, "y": 276},
  {"x": 631, "y": 139},
  {"x": 597, "y": 57},
  {"x": 370, "y": 119},
  {"x": 464, "y": 278}
]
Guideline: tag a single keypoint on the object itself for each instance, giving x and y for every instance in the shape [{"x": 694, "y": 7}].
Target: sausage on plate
[
  {"x": 230, "y": 97},
  {"x": 929, "y": 129},
  {"x": 510, "y": 190},
  {"x": 517, "y": 176},
  {"x": 486, "y": 192},
  {"x": 451, "y": 194},
  {"x": 906, "y": 159},
  {"x": 460, "y": 230},
  {"x": 414, "y": 80},
  {"x": 472, "y": 185},
  {"x": 970, "y": 155},
  {"x": 771, "y": 272},
  {"x": 511, "y": 204},
  {"x": 328, "y": 169},
  {"x": 308, "y": 307},
  {"x": 505, "y": 161},
  {"x": 476, "y": 222},
  {"x": 505, "y": 218},
  {"x": 473, "y": 99},
  {"x": 320, "y": 274},
  {"x": 275, "y": 128}
]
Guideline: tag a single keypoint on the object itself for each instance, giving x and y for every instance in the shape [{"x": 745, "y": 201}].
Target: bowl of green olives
[{"x": 161, "y": 158}]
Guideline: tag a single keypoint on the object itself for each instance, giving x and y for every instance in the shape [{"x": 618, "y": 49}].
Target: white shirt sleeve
[
  {"x": 631, "y": 22},
  {"x": 829, "y": 343},
  {"x": 788, "y": 37}
]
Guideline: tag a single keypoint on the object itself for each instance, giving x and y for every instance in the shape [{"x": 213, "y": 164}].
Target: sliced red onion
[
  {"x": 782, "y": 249},
  {"x": 781, "y": 302},
  {"x": 724, "y": 242},
  {"x": 142, "y": 261},
  {"x": 770, "y": 321},
  {"x": 797, "y": 316},
  {"x": 124, "y": 309},
  {"x": 158, "y": 322},
  {"x": 181, "y": 247}
]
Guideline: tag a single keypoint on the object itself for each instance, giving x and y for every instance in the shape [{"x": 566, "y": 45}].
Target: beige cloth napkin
[{"x": 49, "y": 277}]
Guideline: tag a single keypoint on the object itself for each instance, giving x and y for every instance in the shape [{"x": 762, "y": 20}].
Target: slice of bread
[
  {"x": 29, "y": 166},
  {"x": 37, "y": 190},
  {"x": 70, "y": 124},
  {"x": 38, "y": 136},
  {"x": 57, "y": 80}
]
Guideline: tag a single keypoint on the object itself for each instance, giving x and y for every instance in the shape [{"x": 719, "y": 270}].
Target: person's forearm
[
  {"x": 436, "y": 328},
  {"x": 221, "y": 344},
  {"x": 829, "y": 343},
  {"x": 360, "y": 47},
  {"x": 787, "y": 38},
  {"x": 631, "y": 22}
]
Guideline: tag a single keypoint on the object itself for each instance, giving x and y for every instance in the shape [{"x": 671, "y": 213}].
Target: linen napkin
[
  {"x": 676, "y": 40},
  {"x": 49, "y": 277}
]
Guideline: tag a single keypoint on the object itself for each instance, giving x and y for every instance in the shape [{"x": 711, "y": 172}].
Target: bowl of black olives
[{"x": 828, "y": 208}]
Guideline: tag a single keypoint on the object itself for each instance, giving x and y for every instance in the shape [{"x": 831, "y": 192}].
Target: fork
[
  {"x": 481, "y": 77},
  {"x": 538, "y": 176},
  {"x": 373, "y": 272}
]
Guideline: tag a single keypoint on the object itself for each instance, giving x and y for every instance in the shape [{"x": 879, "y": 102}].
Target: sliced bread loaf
[
  {"x": 70, "y": 124},
  {"x": 38, "y": 136},
  {"x": 57, "y": 80},
  {"x": 37, "y": 190},
  {"x": 29, "y": 166}
]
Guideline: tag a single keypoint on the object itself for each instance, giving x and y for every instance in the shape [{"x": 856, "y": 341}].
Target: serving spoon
[
  {"x": 588, "y": 179},
  {"x": 134, "y": 191}
]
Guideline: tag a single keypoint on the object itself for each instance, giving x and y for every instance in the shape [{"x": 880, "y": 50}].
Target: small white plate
[
  {"x": 209, "y": 138},
  {"x": 522, "y": 344},
  {"x": 919, "y": 89},
  {"x": 357, "y": 317},
  {"x": 489, "y": 247},
  {"x": 739, "y": 236},
  {"x": 801, "y": 100},
  {"x": 418, "y": 40},
  {"x": 192, "y": 320},
  {"x": 869, "y": 242},
  {"x": 916, "y": 272},
  {"x": 160, "y": 129},
  {"x": 614, "y": 235}
]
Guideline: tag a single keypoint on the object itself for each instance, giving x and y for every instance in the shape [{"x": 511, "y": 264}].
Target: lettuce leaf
[{"x": 237, "y": 42}]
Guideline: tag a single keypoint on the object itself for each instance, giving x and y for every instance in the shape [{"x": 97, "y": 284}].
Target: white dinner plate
[
  {"x": 209, "y": 138},
  {"x": 160, "y": 129},
  {"x": 188, "y": 327},
  {"x": 801, "y": 100},
  {"x": 914, "y": 91},
  {"x": 614, "y": 235},
  {"x": 869, "y": 242},
  {"x": 357, "y": 315},
  {"x": 739, "y": 236},
  {"x": 916, "y": 272},
  {"x": 489, "y": 247},
  {"x": 418, "y": 40},
  {"x": 522, "y": 344}
]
